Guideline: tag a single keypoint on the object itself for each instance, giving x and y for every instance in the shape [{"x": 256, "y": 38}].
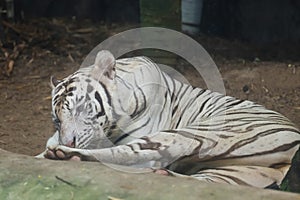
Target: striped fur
[{"x": 131, "y": 113}]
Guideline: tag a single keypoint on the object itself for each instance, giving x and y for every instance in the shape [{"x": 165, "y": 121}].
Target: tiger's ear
[
  {"x": 54, "y": 82},
  {"x": 104, "y": 67}
]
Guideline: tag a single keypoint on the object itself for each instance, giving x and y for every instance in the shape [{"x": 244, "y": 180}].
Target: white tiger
[{"x": 128, "y": 112}]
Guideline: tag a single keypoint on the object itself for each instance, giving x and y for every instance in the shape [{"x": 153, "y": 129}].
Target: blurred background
[
  {"x": 255, "y": 44},
  {"x": 261, "y": 22}
]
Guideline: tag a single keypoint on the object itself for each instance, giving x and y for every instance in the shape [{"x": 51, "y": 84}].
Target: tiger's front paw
[{"x": 63, "y": 153}]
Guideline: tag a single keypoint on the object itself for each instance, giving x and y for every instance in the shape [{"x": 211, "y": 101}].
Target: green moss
[
  {"x": 15, "y": 187},
  {"x": 23, "y": 177}
]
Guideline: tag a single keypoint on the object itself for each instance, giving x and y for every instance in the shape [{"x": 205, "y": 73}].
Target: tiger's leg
[
  {"x": 162, "y": 148},
  {"x": 249, "y": 164},
  {"x": 201, "y": 149},
  {"x": 256, "y": 176}
]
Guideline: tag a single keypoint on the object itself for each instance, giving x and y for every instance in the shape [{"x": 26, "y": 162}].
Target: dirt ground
[{"x": 57, "y": 47}]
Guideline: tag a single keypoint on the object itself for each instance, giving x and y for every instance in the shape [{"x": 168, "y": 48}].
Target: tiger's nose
[{"x": 71, "y": 143}]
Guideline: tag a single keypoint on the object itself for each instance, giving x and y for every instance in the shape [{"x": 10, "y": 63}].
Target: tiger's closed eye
[{"x": 56, "y": 122}]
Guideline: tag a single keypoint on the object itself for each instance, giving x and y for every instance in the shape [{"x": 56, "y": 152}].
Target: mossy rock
[{"x": 24, "y": 177}]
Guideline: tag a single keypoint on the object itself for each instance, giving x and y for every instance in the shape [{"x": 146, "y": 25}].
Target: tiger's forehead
[
  {"x": 82, "y": 78},
  {"x": 70, "y": 88},
  {"x": 76, "y": 89}
]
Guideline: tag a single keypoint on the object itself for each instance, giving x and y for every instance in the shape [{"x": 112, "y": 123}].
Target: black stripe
[
  {"x": 174, "y": 110},
  {"x": 183, "y": 93},
  {"x": 130, "y": 132},
  {"x": 126, "y": 84},
  {"x": 123, "y": 63},
  {"x": 141, "y": 126},
  {"x": 58, "y": 88},
  {"x": 173, "y": 96},
  {"x": 249, "y": 112},
  {"x": 107, "y": 94},
  {"x": 136, "y": 105},
  {"x": 98, "y": 98},
  {"x": 137, "y": 111},
  {"x": 178, "y": 122},
  {"x": 121, "y": 138},
  {"x": 284, "y": 147},
  {"x": 191, "y": 101},
  {"x": 235, "y": 102},
  {"x": 168, "y": 86},
  {"x": 214, "y": 106},
  {"x": 56, "y": 98},
  {"x": 70, "y": 89},
  {"x": 203, "y": 105},
  {"x": 162, "y": 111},
  {"x": 179, "y": 100},
  {"x": 200, "y": 109}
]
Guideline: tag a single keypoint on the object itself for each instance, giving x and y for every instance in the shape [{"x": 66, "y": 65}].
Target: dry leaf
[
  {"x": 113, "y": 198},
  {"x": 9, "y": 67}
]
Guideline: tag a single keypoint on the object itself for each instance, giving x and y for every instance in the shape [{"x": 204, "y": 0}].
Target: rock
[{"x": 25, "y": 177}]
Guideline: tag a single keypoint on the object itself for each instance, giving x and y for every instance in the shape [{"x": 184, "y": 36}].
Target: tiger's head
[{"x": 82, "y": 105}]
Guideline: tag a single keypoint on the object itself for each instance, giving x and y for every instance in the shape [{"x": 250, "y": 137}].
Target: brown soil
[{"x": 57, "y": 47}]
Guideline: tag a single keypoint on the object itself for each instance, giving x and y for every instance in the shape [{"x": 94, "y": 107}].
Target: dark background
[{"x": 257, "y": 21}]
